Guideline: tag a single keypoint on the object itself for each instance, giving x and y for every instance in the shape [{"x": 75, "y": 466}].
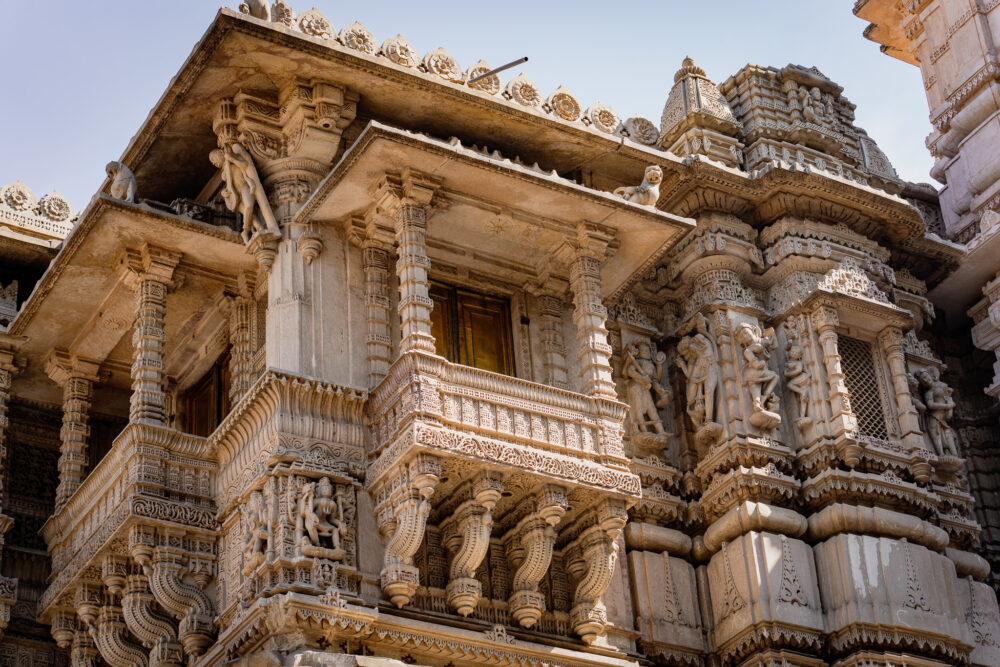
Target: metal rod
[{"x": 499, "y": 69}]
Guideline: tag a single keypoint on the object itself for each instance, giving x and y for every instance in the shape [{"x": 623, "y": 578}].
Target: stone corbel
[
  {"x": 467, "y": 533},
  {"x": 529, "y": 550},
  {"x": 403, "y": 520},
  {"x": 63, "y": 627},
  {"x": 83, "y": 651},
  {"x": 114, "y": 640},
  {"x": 591, "y": 561},
  {"x": 166, "y": 567},
  {"x": 154, "y": 629}
]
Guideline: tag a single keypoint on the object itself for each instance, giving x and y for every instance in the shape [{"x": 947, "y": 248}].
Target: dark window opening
[{"x": 472, "y": 329}]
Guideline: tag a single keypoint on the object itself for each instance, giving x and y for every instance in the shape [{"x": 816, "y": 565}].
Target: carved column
[
  {"x": 407, "y": 199},
  {"x": 591, "y": 561},
  {"x": 550, "y": 305},
  {"x": 8, "y": 585},
  {"x": 77, "y": 378},
  {"x": 402, "y": 509},
  {"x": 529, "y": 549},
  {"x": 825, "y": 321},
  {"x": 590, "y": 316},
  {"x": 467, "y": 533},
  {"x": 241, "y": 322},
  {"x": 890, "y": 340},
  {"x": 375, "y": 260},
  {"x": 149, "y": 272}
]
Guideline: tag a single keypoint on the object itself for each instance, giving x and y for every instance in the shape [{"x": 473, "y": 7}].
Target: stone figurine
[
  {"x": 648, "y": 193},
  {"x": 940, "y": 406},
  {"x": 760, "y": 379},
  {"x": 244, "y": 191},
  {"x": 257, "y": 533},
  {"x": 260, "y": 9},
  {"x": 697, "y": 360},
  {"x": 320, "y": 525},
  {"x": 797, "y": 380},
  {"x": 641, "y": 374},
  {"x": 122, "y": 181}
]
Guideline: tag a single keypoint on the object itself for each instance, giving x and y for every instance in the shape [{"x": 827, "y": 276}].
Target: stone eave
[
  {"x": 770, "y": 194},
  {"x": 183, "y": 114},
  {"x": 885, "y": 28},
  {"x": 84, "y": 271},
  {"x": 964, "y": 287},
  {"x": 643, "y": 233}
]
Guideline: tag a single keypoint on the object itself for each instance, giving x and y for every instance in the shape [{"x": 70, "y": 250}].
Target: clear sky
[{"x": 82, "y": 76}]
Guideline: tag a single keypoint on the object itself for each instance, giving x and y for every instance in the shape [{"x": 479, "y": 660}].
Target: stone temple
[{"x": 361, "y": 357}]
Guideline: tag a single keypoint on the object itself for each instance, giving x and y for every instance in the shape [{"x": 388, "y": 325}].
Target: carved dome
[{"x": 695, "y": 101}]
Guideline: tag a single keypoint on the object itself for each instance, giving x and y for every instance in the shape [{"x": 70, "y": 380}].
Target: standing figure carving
[
  {"x": 122, "y": 181},
  {"x": 797, "y": 381},
  {"x": 244, "y": 191},
  {"x": 642, "y": 377},
  {"x": 697, "y": 360},
  {"x": 320, "y": 525},
  {"x": 940, "y": 406},
  {"x": 760, "y": 379},
  {"x": 257, "y": 532}
]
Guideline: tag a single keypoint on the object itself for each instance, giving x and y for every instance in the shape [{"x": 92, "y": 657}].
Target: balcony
[{"x": 497, "y": 462}]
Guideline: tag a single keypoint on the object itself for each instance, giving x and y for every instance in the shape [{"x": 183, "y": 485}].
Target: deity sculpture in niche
[
  {"x": 256, "y": 531},
  {"x": 244, "y": 191},
  {"x": 648, "y": 192},
  {"x": 760, "y": 379},
  {"x": 320, "y": 526},
  {"x": 939, "y": 406},
  {"x": 697, "y": 360},
  {"x": 797, "y": 381},
  {"x": 641, "y": 374}
]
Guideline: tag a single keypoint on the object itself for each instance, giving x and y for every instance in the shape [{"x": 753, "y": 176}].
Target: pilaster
[
  {"x": 407, "y": 198},
  {"x": 890, "y": 340},
  {"x": 550, "y": 305},
  {"x": 584, "y": 254},
  {"x": 77, "y": 378},
  {"x": 825, "y": 320},
  {"x": 375, "y": 261},
  {"x": 149, "y": 271}
]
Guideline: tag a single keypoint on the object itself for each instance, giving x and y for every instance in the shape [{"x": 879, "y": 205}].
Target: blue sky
[{"x": 82, "y": 76}]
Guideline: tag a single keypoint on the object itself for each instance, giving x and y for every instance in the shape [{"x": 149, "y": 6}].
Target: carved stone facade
[{"x": 691, "y": 407}]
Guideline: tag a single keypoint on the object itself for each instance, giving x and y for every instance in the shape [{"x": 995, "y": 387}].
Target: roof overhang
[
  {"x": 494, "y": 207},
  {"x": 71, "y": 301}
]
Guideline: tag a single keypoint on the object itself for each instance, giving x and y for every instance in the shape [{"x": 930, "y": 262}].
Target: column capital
[
  {"x": 825, "y": 316},
  {"x": 61, "y": 366},
  {"x": 393, "y": 190},
  {"x": 147, "y": 261},
  {"x": 10, "y": 361},
  {"x": 890, "y": 338}
]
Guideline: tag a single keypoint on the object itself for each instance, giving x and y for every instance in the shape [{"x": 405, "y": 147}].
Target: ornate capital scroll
[
  {"x": 467, "y": 533},
  {"x": 529, "y": 550},
  {"x": 591, "y": 561},
  {"x": 403, "y": 506}
]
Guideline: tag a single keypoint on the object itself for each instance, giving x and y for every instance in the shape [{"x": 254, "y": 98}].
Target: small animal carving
[
  {"x": 122, "y": 181},
  {"x": 648, "y": 192},
  {"x": 259, "y": 9}
]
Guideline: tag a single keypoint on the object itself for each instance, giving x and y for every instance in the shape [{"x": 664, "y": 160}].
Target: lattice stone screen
[{"x": 858, "y": 361}]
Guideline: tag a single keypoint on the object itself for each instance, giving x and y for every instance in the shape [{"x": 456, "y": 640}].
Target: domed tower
[{"x": 697, "y": 120}]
